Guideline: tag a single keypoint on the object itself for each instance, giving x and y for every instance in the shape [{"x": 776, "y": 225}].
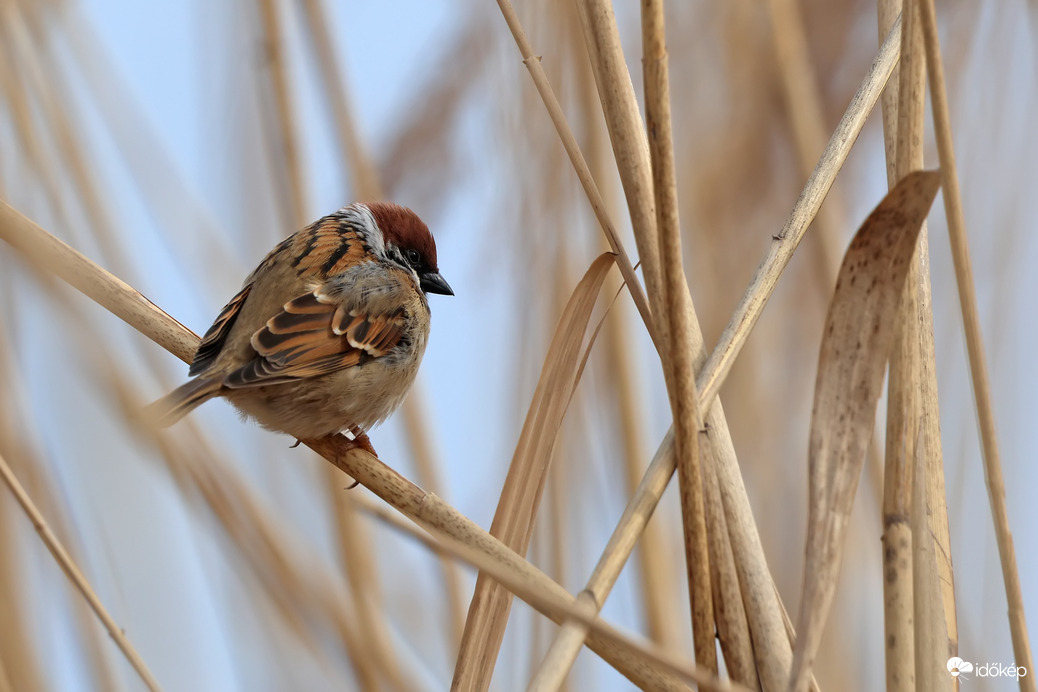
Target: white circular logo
[{"x": 956, "y": 665}]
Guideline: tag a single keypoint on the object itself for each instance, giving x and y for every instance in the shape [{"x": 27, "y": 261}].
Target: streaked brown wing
[
  {"x": 213, "y": 341},
  {"x": 314, "y": 335}
]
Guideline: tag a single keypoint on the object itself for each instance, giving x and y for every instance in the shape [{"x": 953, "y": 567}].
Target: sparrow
[{"x": 327, "y": 334}]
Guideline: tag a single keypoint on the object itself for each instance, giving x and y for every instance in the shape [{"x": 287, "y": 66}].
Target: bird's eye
[{"x": 413, "y": 257}]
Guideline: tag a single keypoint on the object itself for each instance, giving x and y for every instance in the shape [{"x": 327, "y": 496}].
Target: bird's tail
[{"x": 181, "y": 401}]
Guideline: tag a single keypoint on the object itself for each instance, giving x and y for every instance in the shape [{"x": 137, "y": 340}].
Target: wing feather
[
  {"x": 316, "y": 334},
  {"x": 213, "y": 341}
]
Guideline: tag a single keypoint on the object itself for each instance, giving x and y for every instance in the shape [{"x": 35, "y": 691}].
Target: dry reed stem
[
  {"x": 300, "y": 587},
  {"x": 68, "y": 566},
  {"x": 733, "y": 629},
  {"x": 770, "y": 269},
  {"x": 905, "y": 115},
  {"x": 803, "y": 101},
  {"x": 286, "y": 126},
  {"x": 688, "y": 420},
  {"x": 529, "y": 584},
  {"x": 975, "y": 346},
  {"x": 569, "y": 142},
  {"x": 357, "y": 559},
  {"x": 630, "y": 146},
  {"x": 913, "y": 410},
  {"x": 851, "y": 363},
  {"x": 427, "y": 467},
  {"x": 931, "y": 635},
  {"x": 570, "y": 637},
  {"x": 20, "y": 667},
  {"x": 50, "y": 254}
]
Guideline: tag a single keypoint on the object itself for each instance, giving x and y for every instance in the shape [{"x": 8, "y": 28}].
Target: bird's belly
[{"x": 316, "y": 407}]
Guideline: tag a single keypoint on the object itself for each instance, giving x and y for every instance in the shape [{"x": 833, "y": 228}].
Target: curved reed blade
[{"x": 857, "y": 339}]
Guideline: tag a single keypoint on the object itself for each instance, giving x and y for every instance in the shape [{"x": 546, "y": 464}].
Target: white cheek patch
[{"x": 363, "y": 218}]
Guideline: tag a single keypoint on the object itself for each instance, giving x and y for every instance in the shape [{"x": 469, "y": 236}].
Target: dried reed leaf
[
  {"x": 858, "y": 335},
  {"x": 521, "y": 495}
]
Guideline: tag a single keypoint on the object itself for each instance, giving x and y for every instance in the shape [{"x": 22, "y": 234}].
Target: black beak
[{"x": 434, "y": 283}]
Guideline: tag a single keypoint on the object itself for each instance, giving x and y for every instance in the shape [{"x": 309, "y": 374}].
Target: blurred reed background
[{"x": 175, "y": 144}]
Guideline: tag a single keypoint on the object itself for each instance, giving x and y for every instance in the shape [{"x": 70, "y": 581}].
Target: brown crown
[{"x": 403, "y": 228}]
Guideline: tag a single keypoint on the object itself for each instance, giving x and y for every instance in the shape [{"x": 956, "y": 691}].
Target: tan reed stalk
[
  {"x": 770, "y": 269},
  {"x": 50, "y": 254},
  {"x": 569, "y": 142},
  {"x": 20, "y": 668},
  {"x": 630, "y": 146},
  {"x": 357, "y": 559},
  {"x": 898, "y": 592},
  {"x": 733, "y": 629},
  {"x": 433, "y": 513},
  {"x": 300, "y": 587},
  {"x": 427, "y": 467},
  {"x": 931, "y": 634},
  {"x": 975, "y": 349},
  {"x": 913, "y": 411},
  {"x": 688, "y": 419},
  {"x": 68, "y": 566},
  {"x": 286, "y": 126}
]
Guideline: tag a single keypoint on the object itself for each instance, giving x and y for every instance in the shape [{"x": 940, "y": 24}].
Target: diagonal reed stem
[{"x": 68, "y": 566}]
